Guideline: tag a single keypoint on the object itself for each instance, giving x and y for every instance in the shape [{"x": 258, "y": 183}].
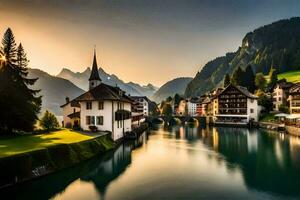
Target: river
[{"x": 181, "y": 162}]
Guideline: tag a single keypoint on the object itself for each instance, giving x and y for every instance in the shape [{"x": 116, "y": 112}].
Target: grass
[
  {"x": 292, "y": 76},
  {"x": 27, "y": 143}
]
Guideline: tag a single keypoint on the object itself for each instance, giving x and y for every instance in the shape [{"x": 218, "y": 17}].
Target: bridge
[{"x": 183, "y": 119}]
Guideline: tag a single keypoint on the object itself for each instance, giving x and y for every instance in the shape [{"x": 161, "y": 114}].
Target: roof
[
  {"x": 194, "y": 100},
  {"x": 138, "y": 97},
  {"x": 74, "y": 115},
  {"x": 241, "y": 89},
  {"x": 104, "y": 92},
  {"x": 295, "y": 89},
  {"x": 95, "y": 72},
  {"x": 73, "y": 104},
  {"x": 284, "y": 84}
]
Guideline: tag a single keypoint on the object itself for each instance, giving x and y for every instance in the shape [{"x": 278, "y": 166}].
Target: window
[
  {"x": 251, "y": 110},
  {"x": 88, "y": 120},
  {"x": 100, "y": 105},
  {"x": 99, "y": 120},
  {"x": 89, "y": 105}
]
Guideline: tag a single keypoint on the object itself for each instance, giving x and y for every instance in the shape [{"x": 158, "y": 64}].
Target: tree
[
  {"x": 226, "y": 80},
  {"x": 260, "y": 81},
  {"x": 273, "y": 77},
  {"x": 49, "y": 121},
  {"x": 283, "y": 108},
  {"x": 169, "y": 99},
  {"x": 167, "y": 110},
  {"x": 248, "y": 79},
  {"x": 264, "y": 100},
  {"x": 237, "y": 76},
  {"x": 18, "y": 104}
]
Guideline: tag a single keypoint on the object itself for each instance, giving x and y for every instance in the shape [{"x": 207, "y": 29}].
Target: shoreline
[
  {"x": 38, "y": 163},
  {"x": 35, "y": 164}
]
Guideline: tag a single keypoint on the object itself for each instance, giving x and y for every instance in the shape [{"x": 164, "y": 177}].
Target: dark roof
[
  {"x": 241, "y": 89},
  {"x": 104, "y": 92},
  {"x": 285, "y": 85},
  {"x": 138, "y": 97},
  {"x": 95, "y": 72},
  {"x": 194, "y": 100},
  {"x": 73, "y": 104},
  {"x": 295, "y": 89},
  {"x": 74, "y": 115}
]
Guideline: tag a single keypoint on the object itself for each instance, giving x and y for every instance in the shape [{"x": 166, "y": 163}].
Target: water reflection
[
  {"x": 181, "y": 162},
  {"x": 269, "y": 162}
]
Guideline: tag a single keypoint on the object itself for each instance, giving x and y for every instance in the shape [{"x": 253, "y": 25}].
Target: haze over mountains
[
  {"x": 54, "y": 90},
  {"x": 177, "y": 85},
  {"x": 80, "y": 79}
]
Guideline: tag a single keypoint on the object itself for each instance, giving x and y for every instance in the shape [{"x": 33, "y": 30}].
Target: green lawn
[
  {"x": 293, "y": 76},
  {"x": 26, "y": 143}
]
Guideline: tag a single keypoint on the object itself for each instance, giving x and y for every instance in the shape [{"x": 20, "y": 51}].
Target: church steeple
[{"x": 94, "y": 78}]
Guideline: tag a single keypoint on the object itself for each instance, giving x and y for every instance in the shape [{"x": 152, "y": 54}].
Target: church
[{"x": 101, "y": 108}]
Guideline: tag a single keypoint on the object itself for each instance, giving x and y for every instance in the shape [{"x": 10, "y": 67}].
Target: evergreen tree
[
  {"x": 18, "y": 104},
  {"x": 226, "y": 80},
  {"x": 248, "y": 79},
  {"x": 237, "y": 76}
]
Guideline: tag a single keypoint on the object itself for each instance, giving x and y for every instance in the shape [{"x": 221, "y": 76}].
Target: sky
[{"x": 144, "y": 41}]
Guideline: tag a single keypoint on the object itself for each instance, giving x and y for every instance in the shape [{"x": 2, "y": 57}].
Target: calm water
[{"x": 181, "y": 163}]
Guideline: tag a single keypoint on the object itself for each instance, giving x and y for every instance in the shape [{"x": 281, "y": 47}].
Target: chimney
[{"x": 67, "y": 99}]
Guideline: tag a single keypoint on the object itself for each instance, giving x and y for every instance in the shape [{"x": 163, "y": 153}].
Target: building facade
[
  {"x": 294, "y": 99},
  {"x": 280, "y": 94},
  {"x": 235, "y": 105},
  {"x": 102, "y": 108},
  {"x": 140, "y": 105}
]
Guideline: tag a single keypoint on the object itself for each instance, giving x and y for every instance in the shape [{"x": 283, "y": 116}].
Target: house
[
  {"x": 280, "y": 94},
  {"x": 141, "y": 105},
  {"x": 192, "y": 105},
  {"x": 103, "y": 107},
  {"x": 294, "y": 99},
  {"x": 234, "y": 104}
]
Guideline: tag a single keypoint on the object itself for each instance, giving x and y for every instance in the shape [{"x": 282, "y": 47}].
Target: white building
[
  {"x": 280, "y": 94},
  {"x": 102, "y": 108},
  {"x": 192, "y": 105},
  {"x": 140, "y": 105}
]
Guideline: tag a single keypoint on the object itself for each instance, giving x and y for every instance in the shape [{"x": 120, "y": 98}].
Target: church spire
[
  {"x": 94, "y": 78},
  {"x": 94, "y": 73}
]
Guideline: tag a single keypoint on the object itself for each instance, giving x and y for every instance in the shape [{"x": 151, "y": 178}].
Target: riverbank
[{"x": 28, "y": 157}]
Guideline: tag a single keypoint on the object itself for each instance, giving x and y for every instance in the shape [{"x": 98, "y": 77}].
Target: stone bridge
[{"x": 183, "y": 119}]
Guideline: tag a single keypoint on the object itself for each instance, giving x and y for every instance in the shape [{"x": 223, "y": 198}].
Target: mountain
[
  {"x": 81, "y": 80},
  {"x": 276, "y": 44},
  {"x": 54, "y": 90},
  {"x": 177, "y": 85}
]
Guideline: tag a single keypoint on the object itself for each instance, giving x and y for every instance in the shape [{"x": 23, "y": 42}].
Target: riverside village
[{"x": 114, "y": 130}]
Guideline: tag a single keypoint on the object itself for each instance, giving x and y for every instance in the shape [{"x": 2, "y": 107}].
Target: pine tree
[
  {"x": 237, "y": 76},
  {"x": 18, "y": 103},
  {"x": 226, "y": 80},
  {"x": 248, "y": 79}
]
